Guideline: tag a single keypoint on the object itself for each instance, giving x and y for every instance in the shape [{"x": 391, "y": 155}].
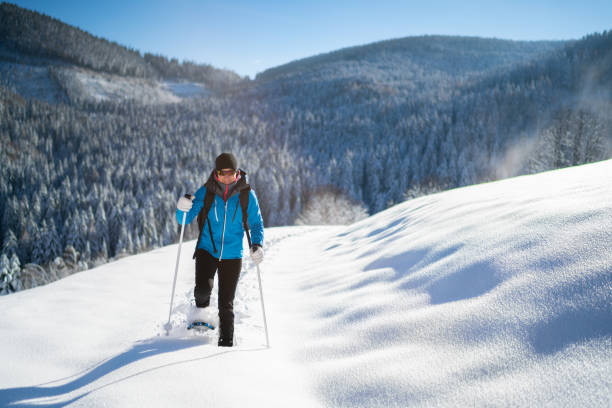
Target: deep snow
[{"x": 498, "y": 294}]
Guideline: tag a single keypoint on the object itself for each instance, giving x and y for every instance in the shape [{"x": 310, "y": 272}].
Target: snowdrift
[
  {"x": 493, "y": 295},
  {"x": 498, "y": 294}
]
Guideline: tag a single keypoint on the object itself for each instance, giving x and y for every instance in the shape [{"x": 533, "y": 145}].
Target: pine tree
[
  {"x": 99, "y": 232},
  {"x": 169, "y": 231},
  {"x": 115, "y": 222},
  {"x": 86, "y": 254},
  {"x": 148, "y": 230},
  {"x": 10, "y": 244},
  {"x": 54, "y": 244},
  {"x": 71, "y": 257},
  {"x": 40, "y": 245},
  {"x": 103, "y": 253},
  {"x": 124, "y": 243},
  {"x": 15, "y": 269},
  {"x": 5, "y": 275}
]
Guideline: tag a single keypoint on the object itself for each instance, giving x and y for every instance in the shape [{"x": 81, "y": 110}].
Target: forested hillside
[
  {"x": 409, "y": 61},
  {"x": 104, "y": 178},
  {"x": 83, "y": 181},
  {"x": 433, "y": 118},
  {"x": 28, "y": 36}
]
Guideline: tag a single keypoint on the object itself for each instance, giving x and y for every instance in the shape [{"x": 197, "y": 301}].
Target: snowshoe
[
  {"x": 201, "y": 319},
  {"x": 200, "y": 325}
]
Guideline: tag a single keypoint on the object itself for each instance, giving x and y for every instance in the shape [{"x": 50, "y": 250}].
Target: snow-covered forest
[
  {"x": 28, "y": 36},
  {"x": 84, "y": 179},
  {"x": 437, "y": 118}
]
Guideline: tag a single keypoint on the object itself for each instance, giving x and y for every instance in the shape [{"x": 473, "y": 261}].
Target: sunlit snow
[{"x": 498, "y": 294}]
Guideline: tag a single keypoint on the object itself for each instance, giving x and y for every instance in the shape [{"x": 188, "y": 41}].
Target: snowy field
[
  {"x": 38, "y": 82},
  {"x": 98, "y": 86},
  {"x": 498, "y": 294}
]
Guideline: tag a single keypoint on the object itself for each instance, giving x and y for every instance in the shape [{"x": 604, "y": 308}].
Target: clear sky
[{"x": 251, "y": 36}]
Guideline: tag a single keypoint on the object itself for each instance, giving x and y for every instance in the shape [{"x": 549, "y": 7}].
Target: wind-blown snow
[{"x": 492, "y": 295}]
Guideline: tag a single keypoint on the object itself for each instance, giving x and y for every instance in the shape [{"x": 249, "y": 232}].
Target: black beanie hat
[{"x": 226, "y": 161}]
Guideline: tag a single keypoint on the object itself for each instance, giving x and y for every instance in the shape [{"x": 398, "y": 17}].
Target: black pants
[{"x": 229, "y": 272}]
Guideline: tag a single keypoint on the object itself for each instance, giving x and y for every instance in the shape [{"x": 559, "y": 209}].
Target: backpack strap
[
  {"x": 209, "y": 197},
  {"x": 244, "y": 203}
]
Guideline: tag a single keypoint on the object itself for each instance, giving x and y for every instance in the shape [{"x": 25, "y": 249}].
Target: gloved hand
[
  {"x": 257, "y": 254},
  {"x": 185, "y": 203}
]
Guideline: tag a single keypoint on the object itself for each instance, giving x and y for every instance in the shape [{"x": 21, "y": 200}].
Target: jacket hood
[{"x": 219, "y": 188}]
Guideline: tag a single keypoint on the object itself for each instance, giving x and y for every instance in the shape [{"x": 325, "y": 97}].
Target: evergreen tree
[
  {"x": 124, "y": 243},
  {"x": 54, "y": 244},
  {"x": 15, "y": 268},
  {"x": 71, "y": 257},
  {"x": 9, "y": 245},
  {"x": 5, "y": 275},
  {"x": 40, "y": 251}
]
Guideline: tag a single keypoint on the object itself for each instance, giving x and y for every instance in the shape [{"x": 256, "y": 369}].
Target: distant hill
[
  {"x": 440, "y": 112},
  {"x": 407, "y": 69},
  {"x": 33, "y": 38},
  {"x": 398, "y": 60}
]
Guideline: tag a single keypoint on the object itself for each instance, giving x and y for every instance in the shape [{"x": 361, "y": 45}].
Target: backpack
[{"x": 209, "y": 197}]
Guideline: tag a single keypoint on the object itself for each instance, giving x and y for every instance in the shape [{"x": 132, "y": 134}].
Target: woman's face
[{"x": 227, "y": 176}]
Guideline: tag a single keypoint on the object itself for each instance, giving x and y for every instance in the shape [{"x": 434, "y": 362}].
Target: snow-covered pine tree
[
  {"x": 5, "y": 275},
  {"x": 124, "y": 243},
  {"x": 71, "y": 258},
  {"x": 54, "y": 244},
  {"x": 15, "y": 268},
  {"x": 9, "y": 243},
  {"x": 99, "y": 233}
]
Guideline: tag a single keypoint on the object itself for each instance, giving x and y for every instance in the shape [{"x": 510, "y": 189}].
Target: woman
[{"x": 219, "y": 246}]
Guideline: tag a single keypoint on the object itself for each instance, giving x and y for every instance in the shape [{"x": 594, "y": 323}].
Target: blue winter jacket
[{"x": 226, "y": 211}]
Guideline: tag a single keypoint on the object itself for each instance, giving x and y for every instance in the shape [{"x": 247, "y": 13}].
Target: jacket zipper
[{"x": 223, "y": 233}]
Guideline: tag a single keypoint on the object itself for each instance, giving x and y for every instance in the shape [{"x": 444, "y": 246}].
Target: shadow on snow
[{"x": 45, "y": 395}]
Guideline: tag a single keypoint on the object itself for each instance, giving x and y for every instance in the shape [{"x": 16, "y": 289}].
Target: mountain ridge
[
  {"x": 36, "y": 34},
  {"x": 412, "y": 44}
]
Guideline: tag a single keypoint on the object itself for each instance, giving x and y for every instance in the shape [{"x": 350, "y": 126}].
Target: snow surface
[
  {"x": 101, "y": 86},
  {"x": 498, "y": 294},
  {"x": 186, "y": 89},
  {"x": 37, "y": 82}
]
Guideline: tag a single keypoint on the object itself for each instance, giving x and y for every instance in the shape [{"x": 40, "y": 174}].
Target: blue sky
[{"x": 251, "y": 36}]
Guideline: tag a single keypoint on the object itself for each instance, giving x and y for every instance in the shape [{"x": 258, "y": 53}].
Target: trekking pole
[
  {"x": 263, "y": 307},
  {"x": 178, "y": 256}
]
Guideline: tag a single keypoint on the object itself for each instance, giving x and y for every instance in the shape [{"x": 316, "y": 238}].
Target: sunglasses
[{"x": 226, "y": 173}]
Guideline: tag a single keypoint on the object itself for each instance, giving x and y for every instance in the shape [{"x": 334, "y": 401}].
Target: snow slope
[
  {"x": 88, "y": 84},
  {"x": 30, "y": 81},
  {"x": 498, "y": 294},
  {"x": 38, "y": 82}
]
